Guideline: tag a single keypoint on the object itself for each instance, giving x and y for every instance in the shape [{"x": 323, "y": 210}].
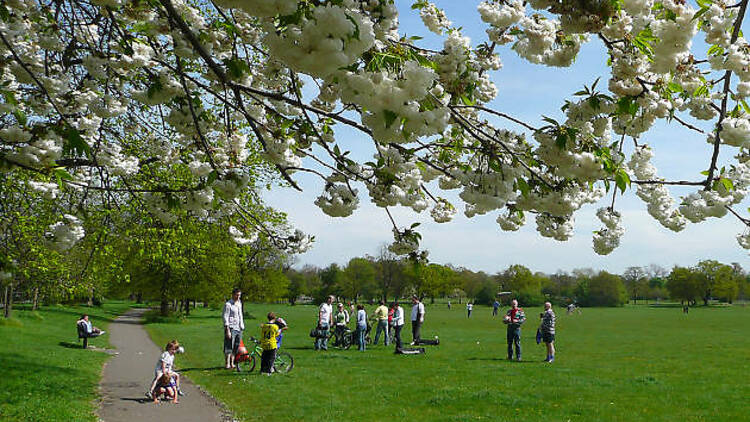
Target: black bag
[
  {"x": 429, "y": 342},
  {"x": 315, "y": 333},
  {"x": 410, "y": 351}
]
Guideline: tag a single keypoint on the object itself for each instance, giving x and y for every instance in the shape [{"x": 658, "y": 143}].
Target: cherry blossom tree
[{"x": 187, "y": 105}]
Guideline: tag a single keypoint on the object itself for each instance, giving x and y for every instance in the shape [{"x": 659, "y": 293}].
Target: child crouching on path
[
  {"x": 165, "y": 366},
  {"x": 166, "y": 385},
  {"x": 268, "y": 333}
]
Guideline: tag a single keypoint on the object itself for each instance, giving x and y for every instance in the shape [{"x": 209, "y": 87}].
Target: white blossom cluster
[
  {"x": 331, "y": 39},
  {"x": 558, "y": 228},
  {"x": 443, "y": 211},
  {"x": 240, "y": 238},
  {"x": 656, "y": 196},
  {"x": 434, "y": 18},
  {"x": 404, "y": 242},
  {"x": 608, "y": 238},
  {"x": 511, "y": 221},
  {"x": 47, "y": 190},
  {"x": 64, "y": 234},
  {"x": 338, "y": 200}
]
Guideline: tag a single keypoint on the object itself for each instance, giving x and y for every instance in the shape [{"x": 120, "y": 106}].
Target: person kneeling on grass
[
  {"x": 164, "y": 366},
  {"x": 268, "y": 333}
]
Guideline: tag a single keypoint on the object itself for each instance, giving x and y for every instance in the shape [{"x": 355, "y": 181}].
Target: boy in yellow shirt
[{"x": 268, "y": 333}]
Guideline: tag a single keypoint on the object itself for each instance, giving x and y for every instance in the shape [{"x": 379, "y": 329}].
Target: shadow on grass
[
  {"x": 510, "y": 362},
  {"x": 70, "y": 345},
  {"x": 299, "y": 348},
  {"x": 208, "y": 368}
]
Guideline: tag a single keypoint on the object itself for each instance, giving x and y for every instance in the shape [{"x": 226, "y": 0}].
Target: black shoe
[
  {"x": 180, "y": 393},
  {"x": 149, "y": 395}
]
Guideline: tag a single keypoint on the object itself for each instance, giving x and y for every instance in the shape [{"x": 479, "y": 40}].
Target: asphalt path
[{"x": 128, "y": 374}]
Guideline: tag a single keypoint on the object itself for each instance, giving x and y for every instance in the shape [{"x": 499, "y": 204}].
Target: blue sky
[{"x": 526, "y": 91}]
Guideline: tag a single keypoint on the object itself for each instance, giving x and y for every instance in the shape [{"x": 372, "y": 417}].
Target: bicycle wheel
[
  {"x": 283, "y": 363},
  {"x": 246, "y": 365},
  {"x": 346, "y": 341}
]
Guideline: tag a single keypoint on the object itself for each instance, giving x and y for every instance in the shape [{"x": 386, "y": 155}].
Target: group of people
[
  {"x": 515, "y": 317},
  {"x": 271, "y": 334},
  {"x": 166, "y": 382},
  {"x": 390, "y": 321}
]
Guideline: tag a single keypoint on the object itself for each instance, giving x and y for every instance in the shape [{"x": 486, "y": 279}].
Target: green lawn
[
  {"x": 628, "y": 364},
  {"x": 44, "y": 373}
]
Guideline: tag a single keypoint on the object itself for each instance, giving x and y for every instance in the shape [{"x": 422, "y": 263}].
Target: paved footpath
[{"x": 127, "y": 376}]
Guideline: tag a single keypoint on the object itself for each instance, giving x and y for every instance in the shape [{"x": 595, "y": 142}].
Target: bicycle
[
  {"x": 246, "y": 361},
  {"x": 343, "y": 340}
]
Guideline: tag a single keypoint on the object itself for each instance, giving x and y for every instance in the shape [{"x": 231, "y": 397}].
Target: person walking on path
[
  {"x": 417, "y": 319},
  {"x": 361, "y": 327},
  {"x": 381, "y": 313},
  {"x": 234, "y": 324},
  {"x": 495, "y": 307},
  {"x": 398, "y": 323},
  {"x": 548, "y": 331},
  {"x": 268, "y": 333},
  {"x": 325, "y": 320},
  {"x": 514, "y": 318},
  {"x": 469, "y": 307}
]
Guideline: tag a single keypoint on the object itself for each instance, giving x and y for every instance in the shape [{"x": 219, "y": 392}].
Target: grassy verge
[
  {"x": 46, "y": 376},
  {"x": 636, "y": 363}
]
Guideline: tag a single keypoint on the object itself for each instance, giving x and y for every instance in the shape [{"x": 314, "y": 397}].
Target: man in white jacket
[
  {"x": 417, "y": 318},
  {"x": 234, "y": 323}
]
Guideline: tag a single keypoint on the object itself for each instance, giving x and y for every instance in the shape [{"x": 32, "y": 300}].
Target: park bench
[{"x": 84, "y": 334}]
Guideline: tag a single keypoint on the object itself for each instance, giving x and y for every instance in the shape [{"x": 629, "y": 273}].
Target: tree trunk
[
  {"x": 164, "y": 306},
  {"x": 187, "y": 307},
  {"x": 90, "y": 301},
  {"x": 35, "y": 302},
  {"x": 139, "y": 297},
  {"x": 8, "y": 300}
]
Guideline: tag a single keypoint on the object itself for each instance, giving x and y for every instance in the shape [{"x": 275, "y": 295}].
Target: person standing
[
  {"x": 495, "y": 307},
  {"x": 234, "y": 324},
  {"x": 417, "y": 318},
  {"x": 514, "y": 318},
  {"x": 449, "y": 305},
  {"x": 381, "y": 313},
  {"x": 268, "y": 333},
  {"x": 341, "y": 319},
  {"x": 548, "y": 331},
  {"x": 325, "y": 319},
  {"x": 469, "y": 307},
  {"x": 361, "y": 327},
  {"x": 398, "y": 323}
]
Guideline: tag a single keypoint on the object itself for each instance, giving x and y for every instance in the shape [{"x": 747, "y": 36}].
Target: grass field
[
  {"x": 44, "y": 373},
  {"x": 625, "y": 364}
]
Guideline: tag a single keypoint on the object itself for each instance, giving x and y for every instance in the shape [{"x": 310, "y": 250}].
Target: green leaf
[
  {"x": 523, "y": 187},
  {"x": 75, "y": 143},
  {"x": 622, "y": 180},
  {"x": 4, "y": 13},
  {"x": 390, "y": 117}
]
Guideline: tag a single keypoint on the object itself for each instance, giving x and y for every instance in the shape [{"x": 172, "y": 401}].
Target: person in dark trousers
[
  {"x": 417, "y": 318},
  {"x": 514, "y": 318},
  {"x": 469, "y": 308},
  {"x": 398, "y": 323},
  {"x": 548, "y": 331},
  {"x": 268, "y": 333},
  {"x": 495, "y": 307}
]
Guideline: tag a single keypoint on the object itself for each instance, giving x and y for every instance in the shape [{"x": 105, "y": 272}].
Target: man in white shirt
[
  {"x": 325, "y": 319},
  {"x": 234, "y": 323},
  {"x": 417, "y": 318},
  {"x": 398, "y": 323}
]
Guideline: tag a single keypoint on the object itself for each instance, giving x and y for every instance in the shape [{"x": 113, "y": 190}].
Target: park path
[{"x": 128, "y": 374}]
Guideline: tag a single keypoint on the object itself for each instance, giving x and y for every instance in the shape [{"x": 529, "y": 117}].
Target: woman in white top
[
  {"x": 398, "y": 322},
  {"x": 361, "y": 326}
]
